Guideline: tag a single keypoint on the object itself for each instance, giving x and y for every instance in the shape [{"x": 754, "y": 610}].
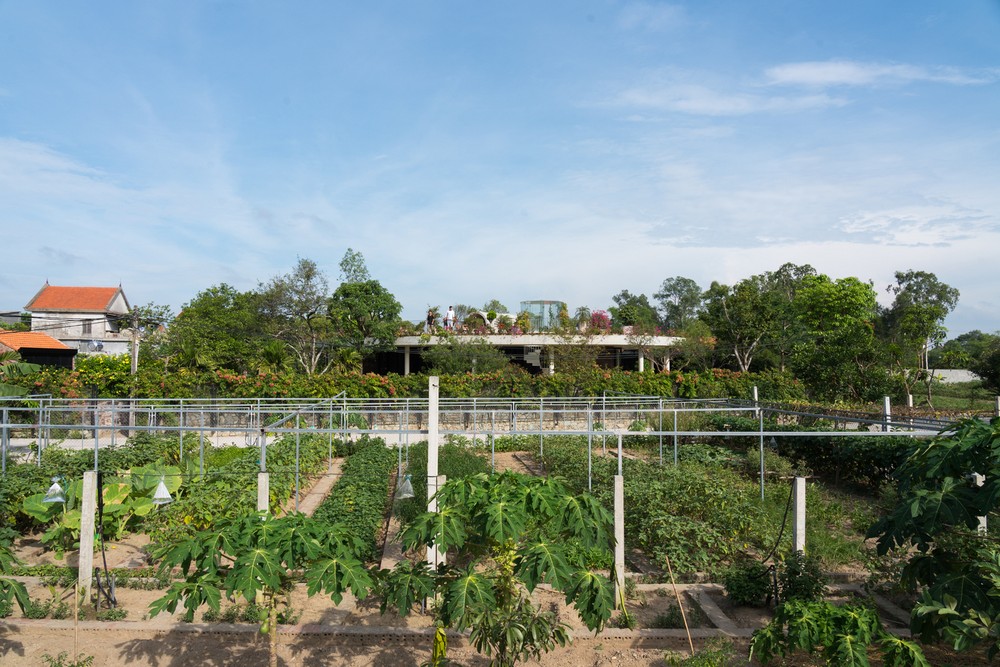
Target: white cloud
[
  {"x": 821, "y": 74},
  {"x": 931, "y": 224},
  {"x": 701, "y": 100},
  {"x": 651, "y": 17}
]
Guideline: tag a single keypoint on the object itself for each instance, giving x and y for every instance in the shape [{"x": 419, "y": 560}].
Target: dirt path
[{"x": 316, "y": 491}]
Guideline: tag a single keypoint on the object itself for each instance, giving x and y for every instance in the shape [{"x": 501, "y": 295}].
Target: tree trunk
[{"x": 272, "y": 632}]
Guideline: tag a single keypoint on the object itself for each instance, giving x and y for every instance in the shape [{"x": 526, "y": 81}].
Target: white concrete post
[
  {"x": 979, "y": 480},
  {"x": 755, "y": 399},
  {"x": 263, "y": 491},
  {"x": 88, "y": 514},
  {"x": 619, "y": 539},
  {"x": 887, "y": 413},
  {"x": 433, "y": 443},
  {"x": 406, "y": 360},
  {"x": 642, "y": 362},
  {"x": 799, "y": 522}
]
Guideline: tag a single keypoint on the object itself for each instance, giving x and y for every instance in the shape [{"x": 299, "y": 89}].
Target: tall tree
[
  {"x": 147, "y": 324},
  {"x": 353, "y": 268},
  {"x": 915, "y": 322},
  {"x": 633, "y": 310},
  {"x": 841, "y": 358},
  {"x": 294, "y": 307},
  {"x": 741, "y": 317},
  {"x": 679, "y": 302},
  {"x": 219, "y": 328},
  {"x": 784, "y": 285},
  {"x": 365, "y": 317},
  {"x": 987, "y": 365}
]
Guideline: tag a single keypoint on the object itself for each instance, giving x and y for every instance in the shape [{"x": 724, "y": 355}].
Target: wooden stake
[{"x": 680, "y": 603}]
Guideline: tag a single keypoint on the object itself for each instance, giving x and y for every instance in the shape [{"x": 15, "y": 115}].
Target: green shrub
[
  {"x": 63, "y": 660},
  {"x": 115, "y": 614},
  {"x": 800, "y": 578},
  {"x": 748, "y": 584},
  {"x": 718, "y": 652},
  {"x": 37, "y": 608}
]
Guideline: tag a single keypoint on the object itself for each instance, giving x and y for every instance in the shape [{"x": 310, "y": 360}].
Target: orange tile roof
[
  {"x": 32, "y": 340},
  {"x": 74, "y": 299}
]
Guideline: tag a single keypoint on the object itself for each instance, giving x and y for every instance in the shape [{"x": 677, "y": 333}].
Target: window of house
[{"x": 87, "y": 327}]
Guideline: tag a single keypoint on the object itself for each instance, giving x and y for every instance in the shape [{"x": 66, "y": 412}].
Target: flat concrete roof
[{"x": 530, "y": 340}]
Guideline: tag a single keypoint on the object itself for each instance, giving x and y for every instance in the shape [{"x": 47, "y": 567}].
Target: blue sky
[{"x": 514, "y": 150}]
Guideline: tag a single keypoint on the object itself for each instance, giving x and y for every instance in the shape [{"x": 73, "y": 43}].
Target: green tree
[
  {"x": 679, "y": 302},
  {"x": 147, "y": 326},
  {"x": 961, "y": 351},
  {"x": 255, "y": 557},
  {"x": 365, "y": 317},
  {"x": 507, "y": 533},
  {"x": 219, "y": 328},
  {"x": 495, "y": 306},
  {"x": 987, "y": 366},
  {"x": 633, "y": 310},
  {"x": 935, "y": 526},
  {"x": 841, "y": 356},
  {"x": 915, "y": 322},
  {"x": 742, "y": 318},
  {"x": 294, "y": 309},
  {"x": 353, "y": 268},
  {"x": 452, "y": 356},
  {"x": 788, "y": 331}
]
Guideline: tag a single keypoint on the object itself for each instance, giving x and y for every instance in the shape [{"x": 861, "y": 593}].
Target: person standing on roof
[{"x": 449, "y": 319}]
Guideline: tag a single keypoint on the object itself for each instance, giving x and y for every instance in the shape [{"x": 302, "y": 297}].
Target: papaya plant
[
  {"x": 11, "y": 590},
  {"x": 254, "y": 557},
  {"x": 505, "y": 534},
  {"x": 840, "y": 634}
]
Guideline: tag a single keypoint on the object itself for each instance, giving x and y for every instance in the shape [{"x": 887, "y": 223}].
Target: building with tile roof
[
  {"x": 35, "y": 347},
  {"x": 87, "y": 319}
]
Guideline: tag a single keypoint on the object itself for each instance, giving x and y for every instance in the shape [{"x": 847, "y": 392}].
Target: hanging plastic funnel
[
  {"x": 161, "y": 496},
  {"x": 55, "y": 493},
  {"x": 405, "y": 490}
]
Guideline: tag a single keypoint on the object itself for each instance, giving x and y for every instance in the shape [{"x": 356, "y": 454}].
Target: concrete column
[
  {"x": 887, "y": 413},
  {"x": 433, "y": 443},
  {"x": 642, "y": 362},
  {"x": 799, "y": 520},
  {"x": 755, "y": 395},
  {"x": 979, "y": 480},
  {"x": 88, "y": 514},
  {"x": 406, "y": 360},
  {"x": 263, "y": 491},
  {"x": 619, "y": 580}
]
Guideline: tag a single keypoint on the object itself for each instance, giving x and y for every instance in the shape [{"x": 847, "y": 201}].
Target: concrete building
[{"x": 87, "y": 319}]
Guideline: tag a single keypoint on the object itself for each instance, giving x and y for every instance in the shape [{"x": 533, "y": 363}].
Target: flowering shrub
[{"x": 600, "y": 321}]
